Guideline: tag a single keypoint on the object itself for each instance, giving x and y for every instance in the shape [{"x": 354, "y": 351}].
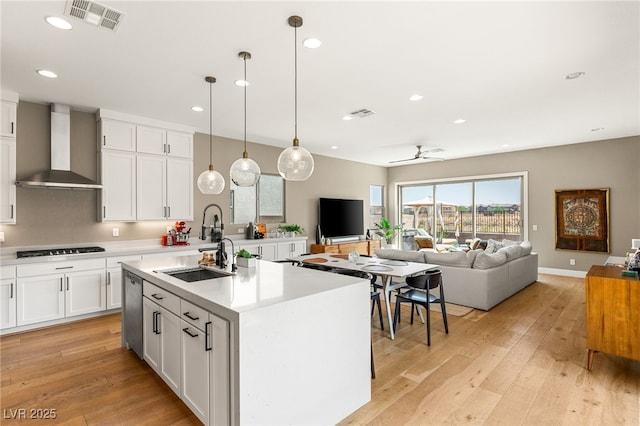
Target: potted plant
[
  {"x": 245, "y": 259},
  {"x": 292, "y": 229},
  {"x": 386, "y": 231}
]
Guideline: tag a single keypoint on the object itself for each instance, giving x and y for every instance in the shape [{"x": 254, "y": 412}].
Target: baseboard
[{"x": 562, "y": 272}]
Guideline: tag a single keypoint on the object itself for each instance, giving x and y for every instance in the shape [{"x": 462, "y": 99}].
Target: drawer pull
[
  {"x": 186, "y": 330},
  {"x": 188, "y": 315},
  {"x": 157, "y": 296},
  {"x": 207, "y": 336},
  {"x": 64, "y": 267}
]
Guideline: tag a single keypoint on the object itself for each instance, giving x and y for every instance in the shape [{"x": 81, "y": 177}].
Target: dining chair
[{"x": 420, "y": 294}]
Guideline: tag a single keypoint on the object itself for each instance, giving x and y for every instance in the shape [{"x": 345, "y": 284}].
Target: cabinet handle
[
  {"x": 186, "y": 330},
  {"x": 12, "y": 127},
  {"x": 157, "y": 297},
  {"x": 11, "y": 294},
  {"x": 64, "y": 267},
  {"x": 168, "y": 211},
  {"x": 67, "y": 283},
  {"x": 108, "y": 278},
  {"x": 168, "y": 148},
  {"x": 188, "y": 315},
  {"x": 11, "y": 211},
  {"x": 61, "y": 290},
  {"x": 104, "y": 211},
  {"x": 156, "y": 314},
  {"x": 207, "y": 336},
  {"x": 104, "y": 140}
]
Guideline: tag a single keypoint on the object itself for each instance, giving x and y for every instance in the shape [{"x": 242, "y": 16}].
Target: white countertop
[
  {"x": 269, "y": 283},
  {"x": 124, "y": 248}
]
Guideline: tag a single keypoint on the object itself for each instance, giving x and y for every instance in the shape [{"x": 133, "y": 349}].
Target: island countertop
[{"x": 269, "y": 283}]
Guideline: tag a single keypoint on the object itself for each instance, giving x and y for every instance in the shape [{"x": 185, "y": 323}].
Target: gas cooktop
[{"x": 58, "y": 251}]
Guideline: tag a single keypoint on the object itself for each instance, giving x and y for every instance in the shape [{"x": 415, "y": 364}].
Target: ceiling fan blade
[
  {"x": 432, "y": 158},
  {"x": 400, "y": 161}
]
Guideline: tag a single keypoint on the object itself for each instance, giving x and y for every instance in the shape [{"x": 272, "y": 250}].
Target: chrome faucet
[{"x": 216, "y": 232}]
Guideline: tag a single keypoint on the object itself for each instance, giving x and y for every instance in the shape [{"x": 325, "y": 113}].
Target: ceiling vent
[
  {"x": 362, "y": 113},
  {"x": 94, "y": 13}
]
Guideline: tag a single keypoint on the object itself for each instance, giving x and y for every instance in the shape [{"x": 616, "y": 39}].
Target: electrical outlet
[
  {"x": 1, "y": 237},
  {"x": 240, "y": 230},
  {"x": 572, "y": 262},
  {"x": 116, "y": 232},
  {"x": 169, "y": 229},
  {"x": 535, "y": 227}
]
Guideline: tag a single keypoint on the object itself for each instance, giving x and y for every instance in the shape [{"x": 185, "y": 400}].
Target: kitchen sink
[{"x": 195, "y": 274}]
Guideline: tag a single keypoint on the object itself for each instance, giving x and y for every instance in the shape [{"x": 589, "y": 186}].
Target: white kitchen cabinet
[
  {"x": 179, "y": 144},
  {"x": 7, "y": 180},
  {"x": 53, "y": 290},
  {"x": 180, "y": 189},
  {"x": 162, "y": 337},
  {"x": 266, "y": 251},
  {"x": 118, "y": 135},
  {"x": 164, "y": 188},
  {"x": 195, "y": 370},
  {"x": 151, "y": 187},
  {"x": 8, "y": 119},
  {"x": 114, "y": 279},
  {"x": 151, "y": 140},
  {"x": 8, "y": 292},
  {"x": 118, "y": 186},
  {"x": 291, "y": 249}
]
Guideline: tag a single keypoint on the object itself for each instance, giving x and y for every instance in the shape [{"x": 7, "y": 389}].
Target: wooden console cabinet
[
  {"x": 366, "y": 247},
  {"x": 613, "y": 317}
]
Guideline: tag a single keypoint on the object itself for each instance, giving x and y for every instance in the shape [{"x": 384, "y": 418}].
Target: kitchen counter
[
  {"x": 124, "y": 248},
  {"x": 299, "y": 339}
]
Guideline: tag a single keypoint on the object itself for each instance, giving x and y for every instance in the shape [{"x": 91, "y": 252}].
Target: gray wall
[
  {"x": 613, "y": 164},
  {"x": 49, "y": 216}
]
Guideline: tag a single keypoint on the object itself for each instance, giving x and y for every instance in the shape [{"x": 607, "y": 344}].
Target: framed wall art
[{"x": 582, "y": 220}]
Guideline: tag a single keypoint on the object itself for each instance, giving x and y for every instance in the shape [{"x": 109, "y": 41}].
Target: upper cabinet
[
  {"x": 117, "y": 135},
  {"x": 146, "y": 170},
  {"x": 8, "y": 122},
  {"x": 7, "y": 180}
]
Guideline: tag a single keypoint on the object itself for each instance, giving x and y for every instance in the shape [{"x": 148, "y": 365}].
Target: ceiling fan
[{"x": 421, "y": 155}]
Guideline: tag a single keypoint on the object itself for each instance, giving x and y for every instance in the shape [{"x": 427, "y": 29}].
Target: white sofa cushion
[
  {"x": 394, "y": 254},
  {"x": 511, "y": 251},
  {"x": 452, "y": 258},
  {"x": 493, "y": 246},
  {"x": 526, "y": 247},
  {"x": 488, "y": 261}
]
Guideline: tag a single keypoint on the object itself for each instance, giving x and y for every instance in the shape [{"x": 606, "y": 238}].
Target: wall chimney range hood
[{"x": 60, "y": 176}]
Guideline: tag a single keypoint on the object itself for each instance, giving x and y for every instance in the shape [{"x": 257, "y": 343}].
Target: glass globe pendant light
[
  {"x": 245, "y": 171},
  {"x": 210, "y": 181},
  {"x": 295, "y": 162}
]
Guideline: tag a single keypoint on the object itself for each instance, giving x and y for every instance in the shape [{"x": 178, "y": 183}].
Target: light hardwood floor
[{"x": 522, "y": 363}]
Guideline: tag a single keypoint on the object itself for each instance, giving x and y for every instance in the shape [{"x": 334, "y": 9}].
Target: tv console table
[
  {"x": 613, "y": 318},
  {"x": 366, "y": 247}
]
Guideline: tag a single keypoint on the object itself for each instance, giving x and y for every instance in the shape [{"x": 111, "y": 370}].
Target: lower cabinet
[
  {"x": 267, "y": 251},
  {"x": 8, "y": 292},
  {"x": 59, "y": 289},
  {"x": 189, "y": 352},
  {"x": 291, "y": 249},
  {"x": 161, "y": 342},
  {"x": 114, "y": 279}
]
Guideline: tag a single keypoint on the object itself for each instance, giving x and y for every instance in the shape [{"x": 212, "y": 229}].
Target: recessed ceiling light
[
  {"x": 197, "y": 109},
  {"x": 597, "y": 129},
  {"x": 574, "y": 75},
  {"x": 334, "y": 147},
  {"x": 58, "y": 23},
  {"x": 312, "y": 43},
  {"x": 415, "y": 97},
  {"x": 47, "y": 73},
  {"x": 241, "y": 83},
  {"x": 347, "y": 117},
  {"x": 459, "y": 121}
]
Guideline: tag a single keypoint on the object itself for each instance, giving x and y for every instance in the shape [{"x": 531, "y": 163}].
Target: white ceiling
[{"x": 499, "y": 65}]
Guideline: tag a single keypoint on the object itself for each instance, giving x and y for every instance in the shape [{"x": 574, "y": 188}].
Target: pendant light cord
[
  {"x": 211, "y": 124},
  {"x": 245, "y": 106},
  {"x": 295, "y": 73}
]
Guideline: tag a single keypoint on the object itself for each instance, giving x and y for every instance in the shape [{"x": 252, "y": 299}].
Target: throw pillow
[
  {"x": 471, "y": 256},
  {"x": 511, "y": 251},
  {"x": 526, "y": 247},
  {"x": 506, "y": 243},
  {"x": 452, "y": 258},
  {"x": 474, "y": 243},
  {"x": 393, "y": 254},
  {"x": 493, "y": 246},
  {"x": 488, "y": 261},
  {"x": 424, "y": 242}
]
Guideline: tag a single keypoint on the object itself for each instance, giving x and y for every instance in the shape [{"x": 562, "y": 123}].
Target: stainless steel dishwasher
[{"x": 132, "y": 319}]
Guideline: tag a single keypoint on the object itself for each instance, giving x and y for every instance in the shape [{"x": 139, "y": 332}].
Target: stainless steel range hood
[{"x": 60, "y": 176}]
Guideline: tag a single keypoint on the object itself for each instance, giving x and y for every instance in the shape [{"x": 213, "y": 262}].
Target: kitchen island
[{"x": 278, "y": 344}]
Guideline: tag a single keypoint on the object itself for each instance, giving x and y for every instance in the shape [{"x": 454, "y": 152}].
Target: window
[
  {"x": 453, "y": 212},
  {"x": 376, "y": 204},
  {"x": 263, "y": 203}
]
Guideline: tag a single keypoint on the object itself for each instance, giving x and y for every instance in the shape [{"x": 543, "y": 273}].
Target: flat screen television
[{"x": 341, "y": 218}]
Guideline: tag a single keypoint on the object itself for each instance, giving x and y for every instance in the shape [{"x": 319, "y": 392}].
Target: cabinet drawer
[
  {"x": 161, "y": 297},
  {"x": 115, "y": 261},
  {"x": 193, "y": 314},
  {"x": 46, "y": 268}
]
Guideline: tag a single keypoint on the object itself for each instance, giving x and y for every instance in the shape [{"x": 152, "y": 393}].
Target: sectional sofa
[{"x": 479, "y": 278}]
